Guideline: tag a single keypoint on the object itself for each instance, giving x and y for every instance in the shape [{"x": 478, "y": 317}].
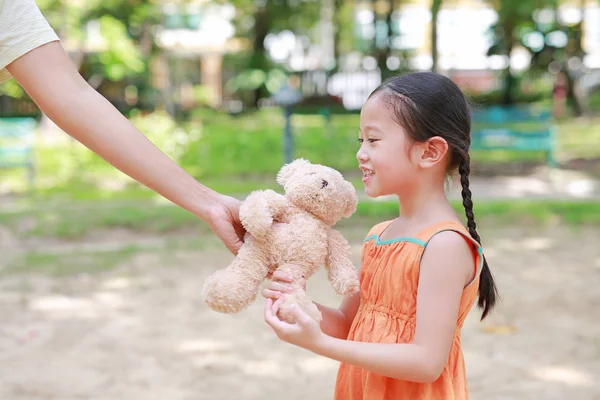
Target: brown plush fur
[{"x": 316, "y": 197}]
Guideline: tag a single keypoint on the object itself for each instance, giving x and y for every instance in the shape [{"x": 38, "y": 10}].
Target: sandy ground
[{"x": 141, "y": 331}]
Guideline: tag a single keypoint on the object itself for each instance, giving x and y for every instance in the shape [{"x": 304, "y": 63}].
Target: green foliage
[
  {"x": 237, "y": 154},
  {"x": 121, "y": 57},
  {"x": 495, "y": 97},
  {"x": 344, "y": 25},
  {"x": 12, "y": 89},
  {"x": 133, "y": 13},
  {"x": 594, "y": 101},
  {"x": 296, "y": 15},
  {"x": 166, "y": 134},
  {"x": 254, "y": 74},
  {"x": 253, "y": 144},
  {"x": 252, "y": 79}
]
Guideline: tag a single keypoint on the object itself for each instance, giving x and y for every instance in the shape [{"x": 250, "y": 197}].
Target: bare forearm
[
  {"x": 408, "y": 362},
  {"x": 61, "y": 93},
  {"x": 335, "y": 323},
  {"x": 95, "y": 123}
]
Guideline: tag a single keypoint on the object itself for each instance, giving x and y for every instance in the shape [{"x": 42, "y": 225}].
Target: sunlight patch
[
  {"x": 109, "y": 299},
  {"x": 262, "y": 368},
  {"x": 210, "y": 361},
  {"x": 65, "y": 305},
  {"x": 564, "y": 375},
  {"x": 490, "y": 252},
  {"x": 117, "y": 284},
  {"x": 202, "y": 345},
  {"x": 538, "y": 243},
  {"x": 317, "y": 364},
  {"x": 581, "y": 188}
]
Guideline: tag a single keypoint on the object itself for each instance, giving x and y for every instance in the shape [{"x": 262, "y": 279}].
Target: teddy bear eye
[{"x": 324, "y": 183}]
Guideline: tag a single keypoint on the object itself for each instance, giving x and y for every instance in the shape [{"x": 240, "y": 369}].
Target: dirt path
[{"x": 141, "y": 332}]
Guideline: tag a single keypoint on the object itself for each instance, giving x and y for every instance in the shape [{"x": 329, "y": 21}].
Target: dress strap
[
  {"x": 428, "y": 233},
  {"x": 379, "y": 228}
]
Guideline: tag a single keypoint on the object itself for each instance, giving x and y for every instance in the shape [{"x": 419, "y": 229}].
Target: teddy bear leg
[
  {"x": 232, "y": 289},
  {"x": 298, "y": 297}
]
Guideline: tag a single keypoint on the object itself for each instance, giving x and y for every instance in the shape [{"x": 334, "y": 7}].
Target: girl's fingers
[
  {"x": 282, "y": 276},
  {"x": 271, "y": 294},
  {"x": 280, "y": 287},
  {"x": 271, "y": 316},
  {"x": 275, "y": 307}
]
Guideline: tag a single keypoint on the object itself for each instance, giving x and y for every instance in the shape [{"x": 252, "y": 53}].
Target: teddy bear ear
[
  {"x": 288, "y": 170},
  {"x": 351, "y": 202}
]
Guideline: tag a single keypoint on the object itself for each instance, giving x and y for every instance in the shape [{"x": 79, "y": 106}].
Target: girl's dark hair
[{"x": 426, "y": 104}]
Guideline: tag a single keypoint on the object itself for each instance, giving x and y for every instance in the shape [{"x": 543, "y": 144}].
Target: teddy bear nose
[{"x": 324, "y": 183}]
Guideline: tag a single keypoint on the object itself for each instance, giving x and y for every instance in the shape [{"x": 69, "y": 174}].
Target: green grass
[
  {"x": 507, "y": 212},
  {"x": 579, "y": 139},
  {"x": 76, "y": 220},
  {"x": 74, "y": 262},
  {"x": 98, "y": 260},
  {"x": 240, "y": 154}
]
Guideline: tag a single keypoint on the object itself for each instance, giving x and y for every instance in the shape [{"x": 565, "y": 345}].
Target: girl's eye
[{"x": 368, "y": 140}]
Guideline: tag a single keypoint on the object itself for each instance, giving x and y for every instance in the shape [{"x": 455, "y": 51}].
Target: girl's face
[{"x": 386, "y": 155}]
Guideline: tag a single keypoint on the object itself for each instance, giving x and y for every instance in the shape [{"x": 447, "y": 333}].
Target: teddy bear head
[{"x": 318, "y": 189}]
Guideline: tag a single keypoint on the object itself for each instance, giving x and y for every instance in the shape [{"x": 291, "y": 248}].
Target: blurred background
[{"x": 100, "y": 278}]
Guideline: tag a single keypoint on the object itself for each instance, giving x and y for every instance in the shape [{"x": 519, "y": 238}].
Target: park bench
[
  {"x": 514, "y": 129},
  {"x": 17, "y": 140}
]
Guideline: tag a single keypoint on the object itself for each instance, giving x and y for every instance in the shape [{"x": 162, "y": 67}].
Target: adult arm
[{"x": 51, "y": 80}]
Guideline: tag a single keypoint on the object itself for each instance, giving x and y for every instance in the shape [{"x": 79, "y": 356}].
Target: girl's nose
[{"x": 361, "y": 155}]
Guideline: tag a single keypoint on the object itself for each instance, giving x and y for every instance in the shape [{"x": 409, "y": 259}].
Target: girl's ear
[{"x": 433, "y": 151}]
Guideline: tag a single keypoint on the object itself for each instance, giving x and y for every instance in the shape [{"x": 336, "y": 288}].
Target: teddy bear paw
[{"x": 347, "y": 284}]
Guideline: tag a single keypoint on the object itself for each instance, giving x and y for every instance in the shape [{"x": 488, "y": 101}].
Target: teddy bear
[{"x": 294, "y": 233}]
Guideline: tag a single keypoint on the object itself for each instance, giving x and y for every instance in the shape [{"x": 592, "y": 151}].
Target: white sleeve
[{"x": 22, "y": 29}]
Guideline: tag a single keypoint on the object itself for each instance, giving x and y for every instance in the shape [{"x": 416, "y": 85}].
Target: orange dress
[{"x": 387, "y": 314}]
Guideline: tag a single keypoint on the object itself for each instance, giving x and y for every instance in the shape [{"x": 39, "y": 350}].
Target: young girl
[{"x": 399, "y": 338}]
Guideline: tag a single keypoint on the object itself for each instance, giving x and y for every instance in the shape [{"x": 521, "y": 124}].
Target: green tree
[
  {"x": 255, "y": 20},
  {"x": 512, "y": 15},
  {"x": 552, "y": 40},
  {"x": 384, "y": 32},
  {"x": 436, "y": 6},
  {"x": 343, "y": 39}
]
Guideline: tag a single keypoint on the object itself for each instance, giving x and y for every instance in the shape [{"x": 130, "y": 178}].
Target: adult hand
[{"x": 224, "y": 220}]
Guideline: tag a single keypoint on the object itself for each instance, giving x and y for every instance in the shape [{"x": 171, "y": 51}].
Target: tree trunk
[
  {"x": 382, "y": 53},
  {"x": 337, "y": 23},
  {"x": 261, "y": 29},
  {"x": 578, "y": 107},
  {"x": 572, "y": 97},
  {"x": 435, "y": 9},
  {"x": 509, "y": 79}
]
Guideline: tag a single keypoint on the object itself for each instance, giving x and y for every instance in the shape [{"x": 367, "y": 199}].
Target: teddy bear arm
[
  {"x": 341, "y": 271},
  {"x": 259, "y": 209},
  {"x": 277, "y": 203}
]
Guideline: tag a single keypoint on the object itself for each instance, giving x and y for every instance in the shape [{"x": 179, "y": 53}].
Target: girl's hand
[
  {"x": 281, "y": 283},
  {"x": 305, "y": 332}
]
